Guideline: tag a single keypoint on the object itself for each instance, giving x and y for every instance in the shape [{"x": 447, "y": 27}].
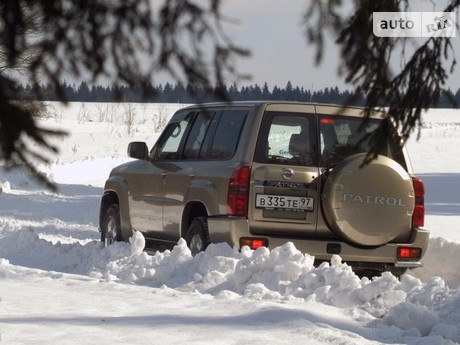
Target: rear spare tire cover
[{"x": 368, "y": 205}]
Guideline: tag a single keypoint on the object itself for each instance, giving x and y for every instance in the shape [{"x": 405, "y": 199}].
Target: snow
[{"x": 58, "y": 284}]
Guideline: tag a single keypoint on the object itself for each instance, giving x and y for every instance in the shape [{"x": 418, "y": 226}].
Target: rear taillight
[
  {"x": 418, "y": 217},
  {"x": 253, "y": 242},
  {"x": 238, "y": 192},
  {"x": 409, "y": 253}
]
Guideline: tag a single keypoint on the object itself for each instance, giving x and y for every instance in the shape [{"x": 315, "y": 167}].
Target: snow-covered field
[{"x": 59, "y": 286}]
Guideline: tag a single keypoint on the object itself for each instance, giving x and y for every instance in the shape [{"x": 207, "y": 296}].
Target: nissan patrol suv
[{"x": 265, "y": 173}]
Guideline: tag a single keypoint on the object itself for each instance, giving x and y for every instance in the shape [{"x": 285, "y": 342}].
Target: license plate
[{"x": 284, "y": 202}]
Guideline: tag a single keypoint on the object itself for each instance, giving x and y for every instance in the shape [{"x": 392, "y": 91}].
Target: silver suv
[{"x": 264, "y": 173}]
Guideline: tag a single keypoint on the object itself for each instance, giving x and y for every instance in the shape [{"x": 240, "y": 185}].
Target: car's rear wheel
[
  {"x": 370, "y": 273},
  {"x": 111, "y": 226},
  {"x": 398, "y": 271},
  {"x": 197, "y": 236}
]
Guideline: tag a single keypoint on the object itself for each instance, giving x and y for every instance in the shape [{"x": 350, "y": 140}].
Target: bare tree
[
  {"x": 125, "y": 41},
  {"x": 406, "y": 92}
]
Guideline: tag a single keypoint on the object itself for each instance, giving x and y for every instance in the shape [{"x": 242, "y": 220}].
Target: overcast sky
[{"x": 272, "y": 31}]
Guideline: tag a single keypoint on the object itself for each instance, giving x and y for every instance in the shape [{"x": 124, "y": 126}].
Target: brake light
[
  {"x": 327, "y": 121},
  {"x": 253, "y": 242},
  {"x": 238, "y": 192},
  {"x": 418, "y": 217},
  {"x": 409, "y": 253}
]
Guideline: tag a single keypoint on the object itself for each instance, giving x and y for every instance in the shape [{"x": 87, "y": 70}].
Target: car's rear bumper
[{"x": 230, "y": 230}]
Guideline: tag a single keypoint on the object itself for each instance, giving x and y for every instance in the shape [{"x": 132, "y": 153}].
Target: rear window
[
  {"x": 292, "y": 139},
  {"x": 287, "y": 138},
  {"x": 343, "y": 136}
]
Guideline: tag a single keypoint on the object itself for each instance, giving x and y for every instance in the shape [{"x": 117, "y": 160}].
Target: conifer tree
[{"x": 420, "y": 81}]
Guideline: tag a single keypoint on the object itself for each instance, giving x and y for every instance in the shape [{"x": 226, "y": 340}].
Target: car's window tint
[
  {"x": 169, "y": 144},
  {"x": 196, "y": 136},
  {"x": 343, "y": 136},
  {"x": 287, "y": 138},
  {"x": 227, "y": 134}
]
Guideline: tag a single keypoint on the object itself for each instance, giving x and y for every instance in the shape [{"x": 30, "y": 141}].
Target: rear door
[{"x": 285, "y": 185}]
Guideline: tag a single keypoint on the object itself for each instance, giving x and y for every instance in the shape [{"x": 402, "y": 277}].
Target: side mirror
[{"x": 138, "y": 150}]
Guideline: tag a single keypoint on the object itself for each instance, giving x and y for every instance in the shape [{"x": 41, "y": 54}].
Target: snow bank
[
  {"x": 441, "y": 261},
  {"x": 428, "y": 309}
]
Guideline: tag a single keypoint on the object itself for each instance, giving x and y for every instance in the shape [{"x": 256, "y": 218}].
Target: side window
[
  {"x": 287, "y": 139},
  {"x": 196, "y": 136},
  {"x": 169, "y": 144},
  {"x": 227, "y": 134}
]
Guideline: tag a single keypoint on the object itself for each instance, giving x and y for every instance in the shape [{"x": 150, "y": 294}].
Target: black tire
[
  {"x": 111, "y": 226},
  {"x": 197, "y": 236},
  {"x": 398, "y": 271}
]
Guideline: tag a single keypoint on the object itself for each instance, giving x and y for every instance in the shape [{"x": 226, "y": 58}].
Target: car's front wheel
[
  {"x": 197, "y": 236},
  {"x": 111, "y": 226}
]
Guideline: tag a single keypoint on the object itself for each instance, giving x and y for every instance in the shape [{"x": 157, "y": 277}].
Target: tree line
[{"x": 177, "y": 93}]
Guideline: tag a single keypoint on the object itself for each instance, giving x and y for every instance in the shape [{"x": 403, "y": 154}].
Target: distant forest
[{"x": 169, "y": 93}]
